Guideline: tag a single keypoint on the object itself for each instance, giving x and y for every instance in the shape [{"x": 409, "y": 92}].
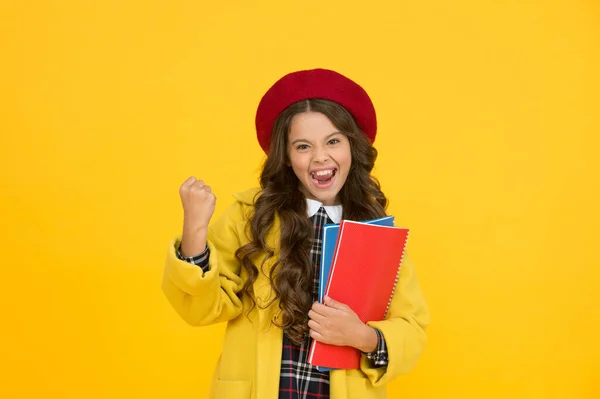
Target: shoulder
[
  {"x": 248, "y": 197},
  {"x": 241, "y": 209},
  {"x": 235, "y": 216}
]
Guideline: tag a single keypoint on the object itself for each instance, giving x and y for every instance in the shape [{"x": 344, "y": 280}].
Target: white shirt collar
[{"x": 333, "y": 211}]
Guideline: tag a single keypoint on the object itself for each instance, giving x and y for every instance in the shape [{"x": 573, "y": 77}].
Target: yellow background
[{"x": 488, "y": 140}]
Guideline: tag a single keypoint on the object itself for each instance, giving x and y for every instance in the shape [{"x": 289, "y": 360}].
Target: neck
[{"x": 326, "y": 202}]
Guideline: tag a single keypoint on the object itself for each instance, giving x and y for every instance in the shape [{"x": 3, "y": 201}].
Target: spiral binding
[{"x": 397, "y": 276}]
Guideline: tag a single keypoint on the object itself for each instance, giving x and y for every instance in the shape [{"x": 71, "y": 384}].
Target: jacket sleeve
[
  {"x": 208, "y": 297},
  {"x": 403, "y": 329},
  {"x": 379, "y": 357},
  {"x": 200, "y": 260}
]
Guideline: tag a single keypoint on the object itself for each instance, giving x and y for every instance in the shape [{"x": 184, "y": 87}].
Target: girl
[{"x": 256, "y": 266}]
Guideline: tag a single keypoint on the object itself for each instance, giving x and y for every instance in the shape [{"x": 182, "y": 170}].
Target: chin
[{"x": 326, "y": 198}]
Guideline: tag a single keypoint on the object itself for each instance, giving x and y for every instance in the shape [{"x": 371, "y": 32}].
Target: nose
[{"x": 320, "y": 154}]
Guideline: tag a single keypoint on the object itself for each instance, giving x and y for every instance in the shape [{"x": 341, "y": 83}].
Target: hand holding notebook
[
  {"x": 363, "y": 275},
  {"x": 330, "y": 236}
]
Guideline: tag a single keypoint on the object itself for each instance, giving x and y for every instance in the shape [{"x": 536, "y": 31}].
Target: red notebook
[{"x": 364, "y": 273}]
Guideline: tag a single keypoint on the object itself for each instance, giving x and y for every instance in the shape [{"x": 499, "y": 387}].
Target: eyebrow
[{"x": 306, "y": 141}]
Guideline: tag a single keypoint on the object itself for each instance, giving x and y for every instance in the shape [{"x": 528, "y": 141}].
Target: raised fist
[{"x": 198, "y": 203}]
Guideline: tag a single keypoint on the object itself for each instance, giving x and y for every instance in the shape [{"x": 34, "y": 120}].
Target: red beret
[{"x": 314, "y": 83}]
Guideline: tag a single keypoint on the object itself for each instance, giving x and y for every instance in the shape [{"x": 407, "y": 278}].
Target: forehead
[{"x": 311, "y": 125}]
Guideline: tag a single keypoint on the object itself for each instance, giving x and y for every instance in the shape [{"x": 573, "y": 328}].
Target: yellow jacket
[{"x": 251, "y": 358}]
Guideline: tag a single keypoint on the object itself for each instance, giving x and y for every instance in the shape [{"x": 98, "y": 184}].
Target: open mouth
[{"x": 323, "y": 178}]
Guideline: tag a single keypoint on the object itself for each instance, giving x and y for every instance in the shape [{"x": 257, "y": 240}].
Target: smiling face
[{"x": 319, "y": 155}]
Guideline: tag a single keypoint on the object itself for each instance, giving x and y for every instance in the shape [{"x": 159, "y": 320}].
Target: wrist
[
  {"x": 366, "y": 339},
  {"x": 192, "y": 227},
  {"x": 193, "y": 242}
]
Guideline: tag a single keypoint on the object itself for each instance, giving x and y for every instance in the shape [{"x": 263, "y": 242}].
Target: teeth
[{"x": 323, "y": 172}]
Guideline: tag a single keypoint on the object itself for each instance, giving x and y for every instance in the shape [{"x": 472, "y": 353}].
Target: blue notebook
[{"x": 330, "y": 234}]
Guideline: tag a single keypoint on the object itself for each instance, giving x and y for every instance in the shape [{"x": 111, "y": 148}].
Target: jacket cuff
[
  {"x": 379, "y": 357},
  {"x": 199, "y": 260}
]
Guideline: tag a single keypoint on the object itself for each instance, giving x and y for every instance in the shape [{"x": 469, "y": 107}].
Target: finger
[
  {"x": 334, "y": 304},
  {"x": 188, "y": 182},
  {"x": 326, "y": 311},
  {"x": 316, "y": 336},
  {"x": 313, "y": 325},
  {"x": 315, "y": 316},
  {"x": 211, "y": 197},
  {"x": 321, "y": 309},
  {"x": 207, "y": 188},
  {"x": 199, "y": 184}
]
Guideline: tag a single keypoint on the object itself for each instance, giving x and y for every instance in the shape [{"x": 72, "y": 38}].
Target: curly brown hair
[{"x": 361, "y": 197}]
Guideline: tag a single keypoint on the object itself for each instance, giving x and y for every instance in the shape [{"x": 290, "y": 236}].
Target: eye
[
  {"x": 333, "y": 141},
  {"x": 302, "y": 147}
]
